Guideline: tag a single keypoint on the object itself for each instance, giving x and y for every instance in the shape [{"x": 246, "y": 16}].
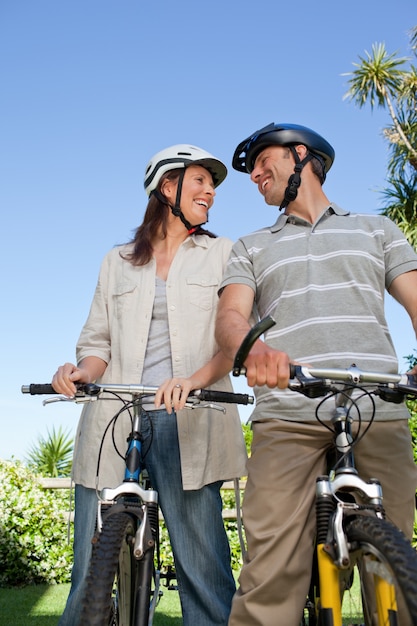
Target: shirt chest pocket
[
  {"x": 123, "y": 298},
  {"x": 202, "y": 291}
]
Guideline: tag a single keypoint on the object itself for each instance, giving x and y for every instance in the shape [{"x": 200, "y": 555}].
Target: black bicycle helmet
[
  {"x": 281, "y": 135},
  {"x": 285, "y": 135}
]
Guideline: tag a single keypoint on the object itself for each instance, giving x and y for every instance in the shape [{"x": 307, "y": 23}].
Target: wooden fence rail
[{"x": 66, "y": 483}]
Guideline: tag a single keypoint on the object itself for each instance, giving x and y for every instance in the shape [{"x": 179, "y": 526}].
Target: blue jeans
[
  {"x": 195, "y": 525},
  {"x": 194, "y": 520},
  {"x": 84, "y": 528}
]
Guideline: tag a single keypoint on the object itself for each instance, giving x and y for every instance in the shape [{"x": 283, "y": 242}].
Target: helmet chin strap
[
  {"x": 294, "y": 180},
  {"x": 176, "y": 209}
]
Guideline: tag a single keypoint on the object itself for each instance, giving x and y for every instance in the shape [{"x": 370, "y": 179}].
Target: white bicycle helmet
[{"x": 180, "y": 156}]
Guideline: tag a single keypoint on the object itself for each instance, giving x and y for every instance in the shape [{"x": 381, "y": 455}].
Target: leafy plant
[
  {"x": 247, "y": 435},
  {"x": 34, "y": 546},
  {"x": 52, "y": 456},
  {"x": 388, "y": 81},
  {"x": 412, "y": 407}
]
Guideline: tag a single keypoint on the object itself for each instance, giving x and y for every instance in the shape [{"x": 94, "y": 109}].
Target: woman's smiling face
[{"x": 197, "y": 194}]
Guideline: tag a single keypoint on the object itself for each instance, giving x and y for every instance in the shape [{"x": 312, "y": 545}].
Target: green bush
[
  {"x": 228, "y": 496},
  {"x": 412, "y": 406},
  {"x": 34, "y": 545},
  {"x": 167, "y": 558}
]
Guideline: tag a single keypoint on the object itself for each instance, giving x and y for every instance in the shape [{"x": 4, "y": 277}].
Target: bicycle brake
[{"x": 194, "y": 403}]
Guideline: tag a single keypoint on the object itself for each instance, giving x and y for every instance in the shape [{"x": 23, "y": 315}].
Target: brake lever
[
  {"x": 78, "y": 399},
  {"x": 58, "y": 398},
  {"x": 398, "y": 392},
  {"x": 194, "y": 403},
  {"x": 307, "y": 385}
]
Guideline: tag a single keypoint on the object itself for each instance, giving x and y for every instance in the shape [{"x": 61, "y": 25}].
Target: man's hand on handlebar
[{"x": 266, "y": 366}]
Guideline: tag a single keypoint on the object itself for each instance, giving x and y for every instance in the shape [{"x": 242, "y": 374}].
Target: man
[{"x": 320, "y": 272}]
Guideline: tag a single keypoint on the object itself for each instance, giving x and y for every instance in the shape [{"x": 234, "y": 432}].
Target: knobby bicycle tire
[
  {"x": 376, "y": 545},
  {"x": 381, "y": 545},
  {"x": 111, "y": 581}
]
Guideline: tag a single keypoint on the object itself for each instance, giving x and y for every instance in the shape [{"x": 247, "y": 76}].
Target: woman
[{"x": 152, "y": 320}]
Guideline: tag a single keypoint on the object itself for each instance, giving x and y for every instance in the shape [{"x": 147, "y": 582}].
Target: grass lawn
[{"x": 41, "y": 605}]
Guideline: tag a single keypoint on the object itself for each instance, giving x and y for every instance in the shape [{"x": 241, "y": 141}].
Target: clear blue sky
[{"x": 92, "y": 88}]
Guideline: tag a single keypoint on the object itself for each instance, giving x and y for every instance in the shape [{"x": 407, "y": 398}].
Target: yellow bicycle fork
[{"x": 331, "y": 597}]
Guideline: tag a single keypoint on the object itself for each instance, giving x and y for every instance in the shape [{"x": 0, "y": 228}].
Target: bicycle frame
[
  {"x": 344, "y": 498},
  {"x": 132, "y": 494},
  {"x": 331, "y": 507},
  {"x": 129, "y": 497}
]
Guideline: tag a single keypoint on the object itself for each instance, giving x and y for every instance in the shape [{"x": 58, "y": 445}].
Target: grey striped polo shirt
[{"x": 324, "y": 285}]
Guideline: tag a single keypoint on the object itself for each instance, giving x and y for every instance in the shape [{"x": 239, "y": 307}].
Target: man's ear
[{"x": 301, "y": 150}]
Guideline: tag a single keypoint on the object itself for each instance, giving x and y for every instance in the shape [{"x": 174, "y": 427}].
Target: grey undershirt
[{"x": 158, "y": 363}]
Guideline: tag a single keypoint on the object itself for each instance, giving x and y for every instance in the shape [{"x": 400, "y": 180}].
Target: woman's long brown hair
[{"x": 154, "y": 225}]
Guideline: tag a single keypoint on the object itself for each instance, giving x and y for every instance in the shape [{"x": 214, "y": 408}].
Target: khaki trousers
[{"x": 279, "y": 516}]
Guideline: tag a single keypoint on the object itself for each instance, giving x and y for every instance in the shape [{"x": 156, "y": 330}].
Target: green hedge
[
  {"x": 34, "y": 544},
  {"x": 412, "y": 406}
]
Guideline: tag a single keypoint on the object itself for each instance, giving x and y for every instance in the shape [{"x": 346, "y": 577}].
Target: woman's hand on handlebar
[
  {"x": 65, "y": 377},
  {"x": 90, "y": 368},
  {"x": 173, "y": 393},
  {"x": 266, "y": 366}
]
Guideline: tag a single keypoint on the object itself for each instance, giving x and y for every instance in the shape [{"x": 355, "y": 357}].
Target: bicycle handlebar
[
  {"x": 351, "y": 374},
  {"x": 38, "y": 389},
  {"x": 247, "y": 343},
  {"x": 315, "y": 382},
  {"x": 94, "y": 390}
]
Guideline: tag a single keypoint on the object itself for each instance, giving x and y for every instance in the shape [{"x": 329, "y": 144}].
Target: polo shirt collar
[{"x": 283, "y": 217}]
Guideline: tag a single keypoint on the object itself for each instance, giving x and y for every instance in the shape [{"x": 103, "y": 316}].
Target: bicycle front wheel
[
  {"x": 110, "y": 597},
  {"x": 386, "y": 566}
]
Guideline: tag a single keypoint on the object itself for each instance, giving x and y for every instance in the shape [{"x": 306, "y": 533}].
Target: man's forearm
[{"x": 231, "y": 329}]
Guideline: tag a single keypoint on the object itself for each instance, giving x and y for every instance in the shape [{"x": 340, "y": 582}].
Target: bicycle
[
  {"x": 123, "y": 584},
  {"x": 353, "y": 538}
]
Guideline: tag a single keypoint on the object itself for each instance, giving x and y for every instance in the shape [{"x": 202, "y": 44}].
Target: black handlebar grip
[
  {"x": 293, "y": 370},
  {"x": 38, "y": 389},
  {"x": 209, "y": 395}
]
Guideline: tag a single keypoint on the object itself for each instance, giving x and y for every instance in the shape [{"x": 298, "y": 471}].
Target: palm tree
[
  {"x": 52, "y": 456},
  {"x": 381, "y": 80},
  {"x": 401, "y": 205}
]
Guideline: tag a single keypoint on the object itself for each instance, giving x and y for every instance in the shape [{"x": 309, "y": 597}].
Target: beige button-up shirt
[{"x": 211, "y": 443}]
